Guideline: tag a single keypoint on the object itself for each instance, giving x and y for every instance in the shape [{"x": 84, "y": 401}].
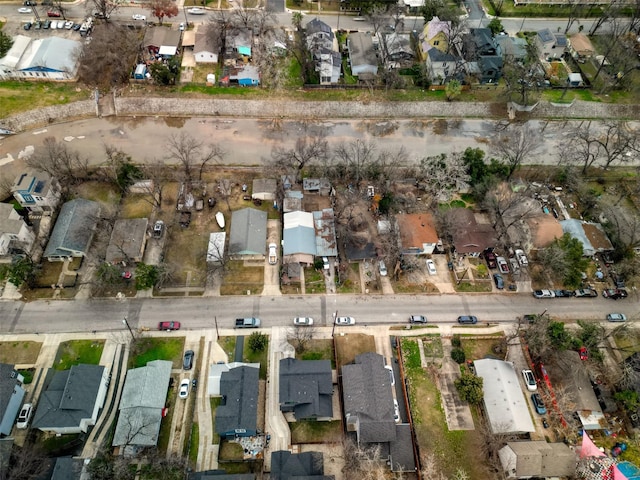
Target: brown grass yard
[
  {"x": 351, "y": 345},
  {"x": 19, "y": 353},
  {"x": 136, "y": 206},
  {"x": 316, "y": 432},
  {"x": 240, "y": 278},
  {"x": 476, "y": 348},
  {"x": 101, "y": 192}
]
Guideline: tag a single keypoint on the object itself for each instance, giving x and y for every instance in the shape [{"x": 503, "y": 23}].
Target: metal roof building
[
  {"x": 504, "y": 402},
  {"x": 325, "y": 227},
  {"x": 248, "y": 234},
  {"x": 299, "y": 237}
]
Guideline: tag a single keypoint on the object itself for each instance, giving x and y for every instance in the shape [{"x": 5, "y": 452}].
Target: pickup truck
[{"x": 247, "y": 322}]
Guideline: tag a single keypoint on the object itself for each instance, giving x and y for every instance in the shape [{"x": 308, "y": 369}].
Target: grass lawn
[
  {"x": 231, "y": 451},
  {"x": 238, "y": 279},
  {"x": 484, "y": 287},
  {"x": 316, "y": 432},
  {"x": 319, "y": 350},
  {"x": 74, "y": 352},
  {"x": 193, "y": 444},
  {"x": 214, "y": 402},
  {"x": 402, "y": 285},
  {"x": 628, "y": 343},
  {"x": 48, "y": 274},
  {"x": 257, "y": 357},
  {"x": 19, "y": 352},
  {"x": 102, "y": 192},
  {"x": 478, "y": 348},
  {"x": 431, "y": 429},
  {"x": 147, "y": 349},
  {"x": 136, "y": 206},
  {"x": 314, "y": 281},
  {"x": 228, "y": 344},
  {"x": 351, "y": 345},
  {"x": 351, "y": 284},
  {"x": 17, "y": 97},
  {"x": 165, "y": 426},
  {"x": 432, "y": 345}
]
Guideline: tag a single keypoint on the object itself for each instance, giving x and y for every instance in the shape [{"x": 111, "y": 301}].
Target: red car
[
  {"x": 583, "y": 353},
  {"x": 52, "y": 13},
  {"x": 169, "y": 326}
]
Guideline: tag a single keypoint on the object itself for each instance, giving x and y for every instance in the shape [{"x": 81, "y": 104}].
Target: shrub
[
  {"x": 455, "y": 341},
  {"x": 258, "y": 341},
  {"x": 458, "y": 355}
]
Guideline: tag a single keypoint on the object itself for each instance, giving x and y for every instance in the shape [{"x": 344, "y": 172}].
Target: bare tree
[
  {"x": 105, "y": 8},
  {"x": 300, "y": 337},
  {"x": 191, "y": 152},
  {"x": 354, "y": 157},
  {"x": 221, "y": 24},
  {"x": 508, "y": 208},
  {"x": 515, "y": 145},
  {"x": 523, "y": 77},
  {"x": 258, "y": 21},
  {"x": 492, "y": 441},
  {"x": 306, "y": 151},
  {"x": 27, "y": 461},
  {"x": 441, "y": 175},
  {"x": 59, "y": 161},
  {"x": 158, "y": 175}
]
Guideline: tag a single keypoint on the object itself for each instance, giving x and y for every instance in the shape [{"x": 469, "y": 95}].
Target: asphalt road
[{"x": 107, "y": 315}]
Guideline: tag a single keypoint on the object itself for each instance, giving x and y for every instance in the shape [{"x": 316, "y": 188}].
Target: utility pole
[
  {"x": 124, "y": 320},
  {"x": 333, "y": 328},
  {"x": 215, "y": 321}
]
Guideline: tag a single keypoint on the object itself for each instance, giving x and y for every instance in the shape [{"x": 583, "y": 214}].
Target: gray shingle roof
[
  {"x": 401, "y": 450},
  {"x": 239, "y": 389},
  {"x": 248, "y": 235},
  {"x": 67, "y": 468},
  {"x": 127, "y": 240},
  {"x": 301, "y": 466},
  {"x": 69, "y": 397},
  {"x": 74, "y": 228},
  {"x": 9, "y": 225},
  {"x": 306, "y": 388},
  {"x": 11, "y": 396},
  {"x": 367, "y": 395}
]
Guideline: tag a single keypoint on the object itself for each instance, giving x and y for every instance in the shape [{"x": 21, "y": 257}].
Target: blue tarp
[{"x": 629, "y": 470}]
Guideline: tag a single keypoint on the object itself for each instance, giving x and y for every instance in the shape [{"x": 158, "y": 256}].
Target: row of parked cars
[
  {"x": 462, "y": 319},
  {"x": 496, "y": 261},
  {"x": 612, "y": 293}
]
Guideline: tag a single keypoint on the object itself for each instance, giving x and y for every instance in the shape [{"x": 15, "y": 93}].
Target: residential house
[
  {"x": 71, "y": 399},
  {"x": 298, "y": 238},
  {"x": 482, "y": 42},
  {"x": 470, "y": 236},
  {"x": 248, "y": 234},
  {"x": 51, "y": 58},
  {"x": 490, "y": 68},
  {"x": 264, "y": 189},
  {"x": 306, "y": 388},
  {"x": 368, "y": 409},
  {"x": 67, "y": 468},
  {"x": 362, "y": 55},
  {"x": 292, "y": 201},
  {"x": 245, "y": 76},
  {"x": 505, "y": 407},
  {"x": 441, "y": 66},
  {"x": 74, "y": 229},
  {"x": 128, "y": 240},
  {"x": 37, "y": 192},
  {"x": 550, "y": 45},
  {"x": 436, "y": 35},
  {"x": 205, "y": 49},
  {"x": 512, "y": 48},
  {"x": 538, "y": 458},
  {"x": 325, "y": 231},
  {"x": 142, "y": 405},
  {"x": 398, "y": 49},
  {"x": 319, "y": 35},
  {"x": 11, "y": 397},
  {"x": 237, "y": 416},
  {"x": 239, "y": 43},
  {"x": 15, "y": 235},
  {"x": 480, "y": 47},
  {"x": 162, "y": 41},
  {"x": 591, "y": 235},
  {"x": 581, "y": 47},
  {"x": 215, "y": 375},
  {"x": 215, "y": 249},
  {"x": 292, "y": 466},
  {"x": 328, "y": 65},
  {"x": 418, "y": 235},
  {"x": 321, "y": 186}
]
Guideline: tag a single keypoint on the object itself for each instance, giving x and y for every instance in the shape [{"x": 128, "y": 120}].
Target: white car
[
  {"x": 24, "y": 416},
  {"x": 24, "y": 10},
  {"x": 68, "y": 25},
  {"x": 54, "y": 25},
  {"x": 273, "y": 254},
  {"x": 529, "y": 380},
  {"x": 303, "y": 321},
  {"x": 503, "y": 266},
  {"x": 181, "y": 27},
  {"x": 382, "y": 268},
  {"x": 396, "y": 411},
  {"x": 61, "y": 24},
  {"x": 196, "y": 11},
  {"x": 392, "y": 377},
  {"x": 184, "y": 388},
  {"x": 522, "y": 258},
  {"x": 137, "y": 16},
  {"x": 431, "y": 267},
  {"x": 345, "y": 321},
  {"x": 325, "y": 263},
  {"x": 544, "y": 294}
]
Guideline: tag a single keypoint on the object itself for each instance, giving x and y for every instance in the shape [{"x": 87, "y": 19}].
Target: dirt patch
[
  {"x": 349, "y": 346},
  {"x": 19, "y": 353}
]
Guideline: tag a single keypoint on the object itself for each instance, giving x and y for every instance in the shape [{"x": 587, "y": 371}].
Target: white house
[
  {"x": 37, "y": 192},
  {"x": 440, "y": 66},
  {"x": 14, "y": 232},
  {"x": 205, "y": 49},
  {"x": 51, "y": 58}
]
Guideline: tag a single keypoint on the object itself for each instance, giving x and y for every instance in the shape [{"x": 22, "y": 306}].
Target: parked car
[
  {"x": 169, "y": 326},
  {"x": 529, "y": 380},
  {"x": 544, "y": 294},
  {"x": 417, "y": 319},
  {"x": 68, "y": 25},
  {"x": 614, "y": 293},
  {"x": 24, "y": 416},
  {"x": 564, "y": 293},
  {"x": 586, "y": 292},
  {"x": 29, "y": 3},
  {"x": 184, "y": 388},
  {"x": 345, "y": 321},
  {"x": 538, "y": 404},
  {"x": 467, "y": 319},
  {"x": 194, "y": 383},
  {"x": 61, "y": 24},
  {"x": 27, "y": 26},
  {"x": 158, "y": 228},
  {"x": 616, "y": 317},
  {"x": 24, "y": 10},
  {"x": 196, "y": 11},
  {"x": 545, "y": 424},
  {"x": 273, "y": 254},
  {"x": 181, "y": 27},
  {"x": 325, "y": 263},
  {"x": 431, "y": 267},
  {"x": 503, "y": 266},
  {"x": 490, "y": 258},
  {"x": 522, "y": 258},
  {"x": 584, "y": 355},
  {"x": 382, "y": 268},
  {"x": 46, "y": 24},
  {"x": 396, "y": 411},
  {"x": 498, "y": 280},
  {"x": 303, "y": 321},
  {"x": 617, "y": 280},
  {"x": 53, "y": 13},
  {"x": 137, "y": 16},
  {"x": 187, "y": 361},
  {"x": 392, "y": 377}
]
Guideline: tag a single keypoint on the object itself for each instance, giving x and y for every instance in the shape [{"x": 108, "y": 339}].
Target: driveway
[{"x": 272, "y": 272}]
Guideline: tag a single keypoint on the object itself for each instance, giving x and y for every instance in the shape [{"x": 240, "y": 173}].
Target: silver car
[{"x": 303, "y": 321}]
